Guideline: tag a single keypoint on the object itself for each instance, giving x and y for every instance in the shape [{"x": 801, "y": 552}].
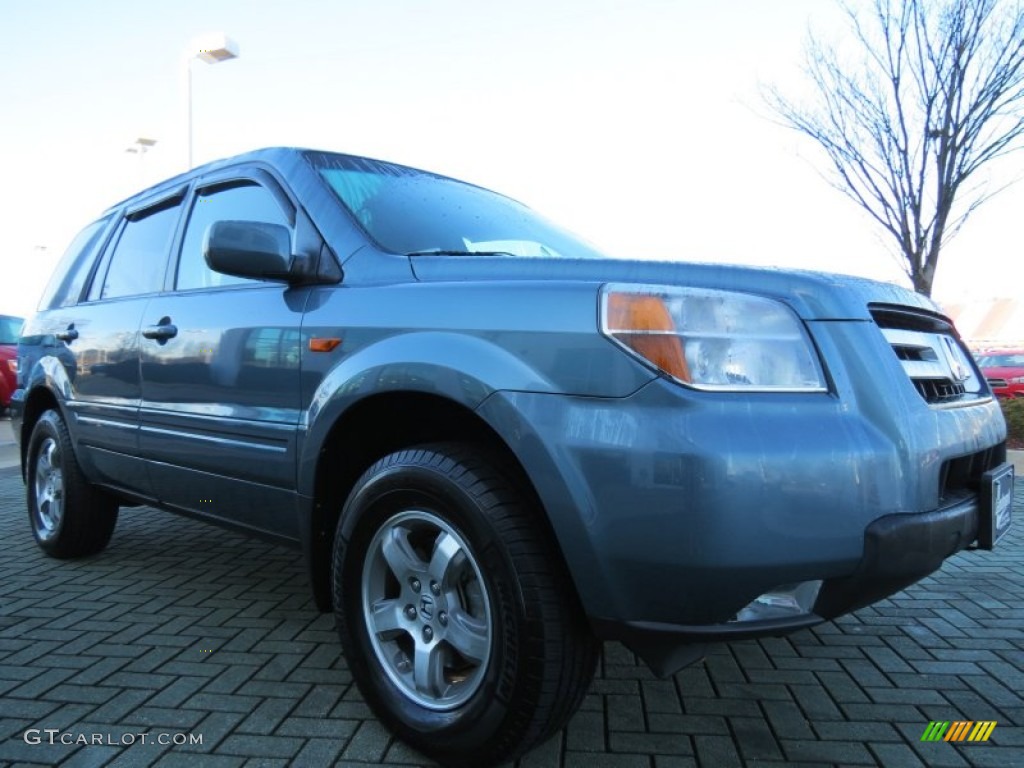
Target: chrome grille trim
[{"x": 936, "y": 363}]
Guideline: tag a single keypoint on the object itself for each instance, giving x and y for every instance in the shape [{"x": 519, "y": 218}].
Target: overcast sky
[{"x": 636, "y": 123}]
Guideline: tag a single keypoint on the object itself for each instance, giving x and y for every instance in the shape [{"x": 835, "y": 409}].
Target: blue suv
[{"x": 493, "y": 445}]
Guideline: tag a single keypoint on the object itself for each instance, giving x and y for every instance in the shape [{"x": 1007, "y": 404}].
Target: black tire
[
  {"x": 515, "y": 660},
  {"x": 69, "y": 517}
]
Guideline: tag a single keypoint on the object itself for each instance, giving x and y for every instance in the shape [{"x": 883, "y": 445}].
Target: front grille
[
  {"x": 998, "y": 383},
  {"x": 903, "y": 318},
  {"x": 910, "y": 352},
  {"x": 963, "y": 474},
  {"x": 939, "y": 390},
  {"x": 931, "y": 354}
]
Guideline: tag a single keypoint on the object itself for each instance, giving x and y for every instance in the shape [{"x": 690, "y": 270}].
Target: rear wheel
[
  {"x": 459, "y": 623},
  {"x": 69, "y": 517}
]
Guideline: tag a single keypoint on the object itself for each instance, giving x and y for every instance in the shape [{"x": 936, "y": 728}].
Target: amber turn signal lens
[
  {"x": 643, "y": 323},
  {"x": 323, "y": 345}
]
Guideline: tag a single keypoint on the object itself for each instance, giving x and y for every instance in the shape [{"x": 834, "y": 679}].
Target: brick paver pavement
[{"x": 183, "y": 630}]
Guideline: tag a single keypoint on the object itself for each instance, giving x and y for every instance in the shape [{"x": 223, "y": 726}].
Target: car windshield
[
  {"x": 10, "y": 329},
  {"x": 1011, "y": 360},
  {"x": 419, "y": 213}
]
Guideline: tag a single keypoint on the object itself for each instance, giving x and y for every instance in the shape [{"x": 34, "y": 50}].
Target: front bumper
[
  {"x": 899, "y": 550},
  {"x": 674, "y": 510},
  {"x": 681, "y": 509}
]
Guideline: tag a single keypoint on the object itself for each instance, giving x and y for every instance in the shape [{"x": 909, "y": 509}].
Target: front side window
[
  {"x": 140, "y": 257},
  {"x": 240, "y": 202},
  {"x": 414, "y": 212}
]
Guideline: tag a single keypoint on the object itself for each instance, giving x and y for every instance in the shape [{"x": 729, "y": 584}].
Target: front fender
[{"x": 460, "y": 368}]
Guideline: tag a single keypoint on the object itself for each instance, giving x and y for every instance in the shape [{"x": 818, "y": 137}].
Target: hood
[{"x": 812, "y": 295}]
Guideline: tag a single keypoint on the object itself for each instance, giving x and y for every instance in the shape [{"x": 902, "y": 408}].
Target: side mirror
[{"x": 252, "y": 249}]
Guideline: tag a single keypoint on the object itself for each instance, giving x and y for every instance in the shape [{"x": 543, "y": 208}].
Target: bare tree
[{"x": 935, "y": 94}]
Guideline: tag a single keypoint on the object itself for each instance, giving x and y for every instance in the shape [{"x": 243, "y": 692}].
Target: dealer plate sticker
[{"x": 1002, "y": 502}]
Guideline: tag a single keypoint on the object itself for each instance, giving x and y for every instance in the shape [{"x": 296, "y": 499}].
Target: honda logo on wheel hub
[{"x": 426, "y": 608}]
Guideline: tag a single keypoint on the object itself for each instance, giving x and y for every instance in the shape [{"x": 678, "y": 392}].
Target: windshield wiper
[{"x": 441, "y": 252}]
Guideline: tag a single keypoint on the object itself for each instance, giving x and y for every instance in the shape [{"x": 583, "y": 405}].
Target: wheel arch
[
  {"x": 47, "y": 385},
  {"x": 38, "y": 401},
  {"x": 381, "y": 424}
]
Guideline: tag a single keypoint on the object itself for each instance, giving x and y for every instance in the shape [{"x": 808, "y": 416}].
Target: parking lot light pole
[{"x": 212, "y": 50}]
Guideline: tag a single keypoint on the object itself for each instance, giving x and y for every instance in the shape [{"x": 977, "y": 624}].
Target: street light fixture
[
  {"x": 141, "y": 146},
  {"x": 212, "y": 50}
]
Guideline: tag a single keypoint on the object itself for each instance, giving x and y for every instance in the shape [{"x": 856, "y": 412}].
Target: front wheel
[
  {"x": 459, "y": 623},
  {"x": 69, "y": 517}
]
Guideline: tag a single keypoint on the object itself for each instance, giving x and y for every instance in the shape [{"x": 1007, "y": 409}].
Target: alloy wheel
[{"x": 427, "y": 610}]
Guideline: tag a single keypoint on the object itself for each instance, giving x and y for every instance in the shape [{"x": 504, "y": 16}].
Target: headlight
[
  {"x": 1016, "y": 380},
  {"x": 713, "y": 340}
]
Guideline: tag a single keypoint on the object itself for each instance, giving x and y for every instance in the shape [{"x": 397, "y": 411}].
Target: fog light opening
[{"x": 783, "y": 602}]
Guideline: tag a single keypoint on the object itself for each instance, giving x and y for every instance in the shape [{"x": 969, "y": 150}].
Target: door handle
[
  {"x": 162, "y": 331},
  {"x": 69, "y": 335}
]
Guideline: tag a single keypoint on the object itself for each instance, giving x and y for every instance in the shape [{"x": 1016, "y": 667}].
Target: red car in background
[
  {"x": 10, "y": 329},
  {"x": 1004, "y": 371}
]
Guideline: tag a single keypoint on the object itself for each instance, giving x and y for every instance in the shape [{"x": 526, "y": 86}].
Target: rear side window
[
  {"x": 68, "y": 280},
  {"x": 239, "y": 202},
  {"x": 139, "y": 260}
]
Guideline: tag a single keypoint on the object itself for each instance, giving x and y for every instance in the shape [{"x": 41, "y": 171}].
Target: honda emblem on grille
[{"x": 957, "y": 365}]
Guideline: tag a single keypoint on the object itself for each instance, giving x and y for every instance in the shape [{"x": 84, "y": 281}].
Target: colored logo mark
[{"x": 958, "y": 730}]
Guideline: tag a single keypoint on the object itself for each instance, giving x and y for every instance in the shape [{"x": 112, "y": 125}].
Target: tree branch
[{"x": 937, "y": 95}]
